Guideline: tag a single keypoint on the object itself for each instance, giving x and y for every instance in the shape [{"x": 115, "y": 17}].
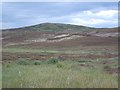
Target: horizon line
[{"x": 56, "y": 23}]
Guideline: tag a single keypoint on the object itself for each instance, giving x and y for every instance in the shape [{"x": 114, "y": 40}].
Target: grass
[
  {"x": 53, "y": 61},
  {"x": 14, "y": 50},
  {"x": 62, "y": 74},
  {"x": 54, "y": 73},
  {"x": 21, "y": 50}
]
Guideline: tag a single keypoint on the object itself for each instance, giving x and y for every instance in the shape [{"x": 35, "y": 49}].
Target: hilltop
[{"x": 53, "y": 27}]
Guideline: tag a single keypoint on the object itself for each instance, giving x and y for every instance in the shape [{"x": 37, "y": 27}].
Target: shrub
[
  {"x": 23, "y": 62},
  {"x": 8, "y": 65},
  {"x": 37, "y": 63},
  {"x": 83, "y": 61},
  {"x": 53, "y": 61}
]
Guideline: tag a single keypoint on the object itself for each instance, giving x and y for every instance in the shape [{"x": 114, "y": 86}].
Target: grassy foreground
[{"x": 55, "y": 74}]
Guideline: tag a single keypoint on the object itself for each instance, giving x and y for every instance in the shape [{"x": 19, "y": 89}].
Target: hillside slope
[
  {"x": 53, "y": 27},
  {"x": 59, "y": 35}
]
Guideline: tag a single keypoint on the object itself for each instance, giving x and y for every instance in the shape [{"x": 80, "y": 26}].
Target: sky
[{"x": 92, "y": 14}]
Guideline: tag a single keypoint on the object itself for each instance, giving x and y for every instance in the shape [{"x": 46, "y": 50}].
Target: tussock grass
[
  {"x": 63, "y": 74},
  {"x": 53, "y": 61}
]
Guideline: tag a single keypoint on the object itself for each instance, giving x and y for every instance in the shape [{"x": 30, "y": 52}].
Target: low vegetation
[
  {"x": 54, "y": 73},
  {"x": 66, "y": 51}
]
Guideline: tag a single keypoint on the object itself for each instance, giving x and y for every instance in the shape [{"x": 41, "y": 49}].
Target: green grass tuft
[
  {"x": 37, "y": 63},
  {"x": 53, "y": 61},
  {"x": 23, "y": 62},
  {"x": 60, "y": 65}
]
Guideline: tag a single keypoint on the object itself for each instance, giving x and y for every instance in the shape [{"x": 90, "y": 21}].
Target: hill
[
  {"x": 53, "y": 27},
  {"x": 58, "y": 35}
]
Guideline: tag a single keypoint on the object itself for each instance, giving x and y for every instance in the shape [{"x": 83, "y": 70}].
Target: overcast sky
[{"x": 93, "y": 14}]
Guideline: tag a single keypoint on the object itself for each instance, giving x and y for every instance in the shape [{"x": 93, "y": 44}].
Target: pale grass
[{"x": 49, "y": 76}]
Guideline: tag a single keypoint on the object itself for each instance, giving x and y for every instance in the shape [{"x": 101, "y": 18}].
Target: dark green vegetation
[{"x": 52, "y": 55}]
